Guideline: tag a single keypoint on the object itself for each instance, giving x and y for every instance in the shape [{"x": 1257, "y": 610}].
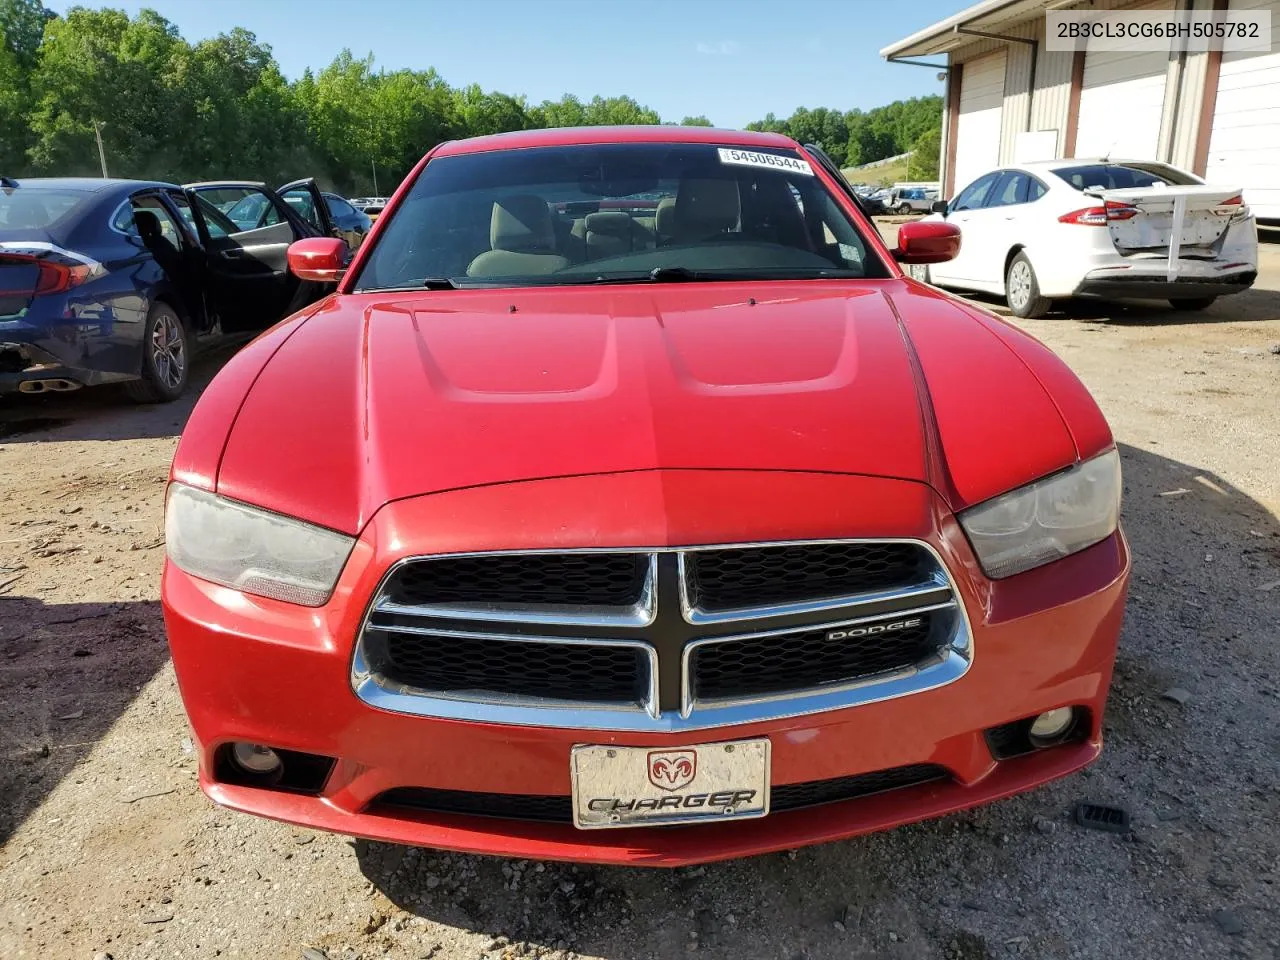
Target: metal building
[{"x": 1009, "y": 99}]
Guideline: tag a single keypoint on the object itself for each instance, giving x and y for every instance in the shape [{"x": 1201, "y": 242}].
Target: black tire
[
  {"x": 904, "y": 209},
  {"x": 1192, "y": 303},
  {"x": 1022, "y": 290},
  {"x": 166, "y": 358}
]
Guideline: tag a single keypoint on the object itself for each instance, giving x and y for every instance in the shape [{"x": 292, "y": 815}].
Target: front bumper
[{"x": 257, "y": 670}]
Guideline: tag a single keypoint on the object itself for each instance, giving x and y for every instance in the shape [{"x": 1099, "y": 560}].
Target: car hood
[{"x": 381, "y": 397}]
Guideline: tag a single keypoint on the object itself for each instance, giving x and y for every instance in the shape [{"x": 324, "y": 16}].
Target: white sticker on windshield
[{"x": 749, "y": 158}]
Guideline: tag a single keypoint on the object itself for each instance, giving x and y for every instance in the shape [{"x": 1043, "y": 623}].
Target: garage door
[
  {"x": 1121, "y": 101},
  {"x": 1244, "y": 148},
  {"x": 978, "y": 126}
]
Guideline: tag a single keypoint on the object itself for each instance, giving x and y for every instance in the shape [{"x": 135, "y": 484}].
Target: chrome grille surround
[{"x": 934, "y": 593}]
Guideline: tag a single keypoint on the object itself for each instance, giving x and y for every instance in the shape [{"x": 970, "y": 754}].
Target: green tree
[
  {"x": 615, "y": 111},
  {"x": 237, "y": 109},
  {"x": 360, "y": 120},
  {"x": 100, "y": 65},
  {"x": 14, "y": 103},
  {"x": 770, "y": 124},
  {"x": 477, "y": 113},
  {"x": 221, "y": 108},
  {"x": 925, "y": 155},
  {"x": 568, "y": 111},
  {"x": 698, "y": 121},
  {"x": 855, "y": 137},
  {"x": 22, "y": 28}
]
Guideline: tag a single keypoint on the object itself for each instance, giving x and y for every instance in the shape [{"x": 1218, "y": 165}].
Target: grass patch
[{"x": 886, "y": 175}]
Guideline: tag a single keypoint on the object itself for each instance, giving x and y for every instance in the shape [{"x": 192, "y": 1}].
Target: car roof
[
  {"x": 653, "y": 133},
  {"x": 89, "y": 184}
]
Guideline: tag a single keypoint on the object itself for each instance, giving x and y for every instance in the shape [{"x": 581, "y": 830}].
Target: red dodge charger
[{"x": 627, "y": 504}]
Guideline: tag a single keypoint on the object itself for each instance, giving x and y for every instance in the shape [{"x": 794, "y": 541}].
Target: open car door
[
  {"x": 245, "y": 229},
  {"x": 305, "y": 199}
]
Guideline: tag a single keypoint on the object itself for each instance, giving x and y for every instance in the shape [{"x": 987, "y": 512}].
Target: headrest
[
  {"x": 706, "y": 206},
  {"x": 664, "y": 218},
  {"x": 148, "y": 223},
  {"x": 613, "y": 222},
  {"x": 523, "y": 224}
]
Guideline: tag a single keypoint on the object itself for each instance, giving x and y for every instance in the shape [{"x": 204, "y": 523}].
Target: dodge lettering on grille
[{"x": 874, "y": 628}]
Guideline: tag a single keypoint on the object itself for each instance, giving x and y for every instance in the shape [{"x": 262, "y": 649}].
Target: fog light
[
  {"x": 1051, "y": 725},
  {"x": 255, "y": 758}
]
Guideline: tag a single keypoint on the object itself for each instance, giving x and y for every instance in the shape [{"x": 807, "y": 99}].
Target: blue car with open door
[{"x": 105, "y": 281}]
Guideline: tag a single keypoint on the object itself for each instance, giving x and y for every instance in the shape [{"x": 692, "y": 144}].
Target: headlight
[
  {"x": 1046, "y": 520},
  {"x": 252, "y": 550}
]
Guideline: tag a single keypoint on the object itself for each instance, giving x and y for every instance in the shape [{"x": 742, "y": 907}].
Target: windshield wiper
[
  {"x": 685, "y": 275},
  {"x": 676, "y": 275},
  {"x": 439, "y": 283}
]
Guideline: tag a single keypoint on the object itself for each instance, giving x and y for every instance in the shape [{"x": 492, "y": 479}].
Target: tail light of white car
[
  {"x": 1233, "y": 207},
  {"x": 1100, "y": 216}
]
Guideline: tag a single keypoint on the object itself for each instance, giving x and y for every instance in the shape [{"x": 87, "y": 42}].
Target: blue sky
[{"x": 732, "y": 60}]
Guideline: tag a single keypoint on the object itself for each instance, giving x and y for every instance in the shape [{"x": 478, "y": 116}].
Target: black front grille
[
  {"x": 796, "y": 796},
  {"x": 559, "y": 579},
  {"x": 812, "y": 658},
  {"x": 444, "y": 663},
  {"x": 505, "y": 806},
  {"x": 559, "y": 809},
  {"x": 755, "y": 576}
]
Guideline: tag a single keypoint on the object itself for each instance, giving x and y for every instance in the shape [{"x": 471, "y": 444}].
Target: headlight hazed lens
[
  {"x": 1046, "y": 520},
  {"x": 252, "y": 550}
]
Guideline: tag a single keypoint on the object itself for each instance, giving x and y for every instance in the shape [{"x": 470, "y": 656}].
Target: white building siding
[
  {"x": 982, "y": 86},
  {"x": 1053, "y": 92},
  {"x": 1244, "y": 148},
  {"x": 1132, "y": 104},
  {"x": 1017, "y": 79},
  {"x": 1121, "y": 104}
]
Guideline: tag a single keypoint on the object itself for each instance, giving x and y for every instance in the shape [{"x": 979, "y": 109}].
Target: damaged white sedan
[{"x": 1111, "y": 229}]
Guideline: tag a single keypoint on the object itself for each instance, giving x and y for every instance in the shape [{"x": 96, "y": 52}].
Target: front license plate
[{"x": 640, "y": 786}]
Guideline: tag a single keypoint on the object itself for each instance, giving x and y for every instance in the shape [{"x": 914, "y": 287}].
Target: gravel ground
[{"x": 110, "y": 850}]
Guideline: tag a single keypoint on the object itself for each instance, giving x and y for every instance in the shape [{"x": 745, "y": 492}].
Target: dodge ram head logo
[{"x": 672, "y": 769}]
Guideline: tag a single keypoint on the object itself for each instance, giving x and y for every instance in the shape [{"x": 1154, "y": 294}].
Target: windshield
[{"x": 616, "y": 213}]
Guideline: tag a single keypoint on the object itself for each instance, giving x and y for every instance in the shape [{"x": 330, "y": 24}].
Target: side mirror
[
  {"x": 939, "y": 206},
  {"x": 925, "y": 241},
  {"x": 318, "y": 258}
]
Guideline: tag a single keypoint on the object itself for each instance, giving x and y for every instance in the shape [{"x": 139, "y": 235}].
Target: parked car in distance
[
  {"x": 628, "y": 480},
  {"x": 352, "y": 224},
  {"x": 1111, "y": 229},
  {"x": 875, "y": 201},
  {"x": 910, "y": 200},
  {"x": 371, "y": 206},
  {"x": 106, "y": 281}
]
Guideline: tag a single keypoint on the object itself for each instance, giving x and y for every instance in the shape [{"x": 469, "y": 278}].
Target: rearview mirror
[
  {"x": 925, "y": 241},
  {"x": 318, "y": 258},
  {"x": 939, "y": 206}
]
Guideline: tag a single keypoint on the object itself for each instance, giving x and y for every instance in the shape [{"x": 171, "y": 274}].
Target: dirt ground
[{"x": 109, "y": 849}]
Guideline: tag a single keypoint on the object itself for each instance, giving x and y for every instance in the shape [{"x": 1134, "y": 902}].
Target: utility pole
[{"x": 102, "y": 154}]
